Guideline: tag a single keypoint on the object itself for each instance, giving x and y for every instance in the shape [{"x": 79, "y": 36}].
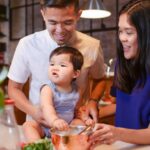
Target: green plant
[
  {"x": 3, "y": 76},
  {"x": 42, "y": 144}
]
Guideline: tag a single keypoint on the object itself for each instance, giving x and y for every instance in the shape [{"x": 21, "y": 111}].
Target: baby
[{"x": 60, "y": 96}]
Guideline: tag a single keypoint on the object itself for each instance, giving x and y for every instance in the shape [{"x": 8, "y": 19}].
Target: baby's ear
[{"x": 76, "y": 73}]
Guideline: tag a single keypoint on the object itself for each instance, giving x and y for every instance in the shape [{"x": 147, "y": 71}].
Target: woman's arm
[
  {"x": 108, "y": 134},
  {"x": 141, "y": 136}
]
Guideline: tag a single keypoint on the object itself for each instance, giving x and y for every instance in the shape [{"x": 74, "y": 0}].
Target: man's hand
[
  {"x": 82, "y": 113},
  {"x": 38, "y": 116},
  {"x": 92, "y": 110},
  {"x": 88, "y": 111}
]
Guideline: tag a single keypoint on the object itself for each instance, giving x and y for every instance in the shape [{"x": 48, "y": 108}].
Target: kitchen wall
[
  {"x": 108, "y": 38},
  {"x": 4, "y": 30}
]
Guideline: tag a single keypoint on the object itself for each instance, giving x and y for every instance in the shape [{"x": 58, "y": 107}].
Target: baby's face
[{"x": 61, "y": 69}]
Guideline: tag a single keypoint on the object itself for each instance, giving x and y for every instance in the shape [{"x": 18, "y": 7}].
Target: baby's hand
[{"x": 60, "y": 124}]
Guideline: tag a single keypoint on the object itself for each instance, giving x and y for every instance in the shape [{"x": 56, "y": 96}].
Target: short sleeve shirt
[{"x": 133, "y": 110}]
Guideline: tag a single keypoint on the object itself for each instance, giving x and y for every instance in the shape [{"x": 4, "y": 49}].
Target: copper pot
[{"x": 71, "y": 139}]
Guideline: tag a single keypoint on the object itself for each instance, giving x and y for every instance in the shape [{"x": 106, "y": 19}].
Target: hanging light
[{"x": 94, "y": 9}]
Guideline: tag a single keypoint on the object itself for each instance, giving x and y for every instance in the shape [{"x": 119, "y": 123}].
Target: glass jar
[{"x": 9, "y": 133}]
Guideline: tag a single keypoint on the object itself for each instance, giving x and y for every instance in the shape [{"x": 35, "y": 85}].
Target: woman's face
[{"x": 128, "y": 37}]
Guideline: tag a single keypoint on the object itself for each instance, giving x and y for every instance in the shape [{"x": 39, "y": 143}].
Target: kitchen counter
[
  {"x": 116, "y": 146},
  {"x": 122, "y": 146}
]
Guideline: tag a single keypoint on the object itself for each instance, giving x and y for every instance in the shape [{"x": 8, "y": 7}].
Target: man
[{"x": 31, "y": 57}]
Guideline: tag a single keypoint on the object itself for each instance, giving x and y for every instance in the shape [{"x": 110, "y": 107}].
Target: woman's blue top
[{"x": 133, "y": 110}]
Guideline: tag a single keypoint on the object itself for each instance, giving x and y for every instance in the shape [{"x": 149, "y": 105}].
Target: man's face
[{"x": 60, "y": 22}]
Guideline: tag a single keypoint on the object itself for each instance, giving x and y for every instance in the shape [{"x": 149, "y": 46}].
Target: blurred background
[
  {"x": 19, "y": 18},
  {"x": 22, "y": 17}
]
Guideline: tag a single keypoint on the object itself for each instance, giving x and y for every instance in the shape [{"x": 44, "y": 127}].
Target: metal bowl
[
  {"x": 71, "y": 139},
  {"x": 73, "y": 130}
]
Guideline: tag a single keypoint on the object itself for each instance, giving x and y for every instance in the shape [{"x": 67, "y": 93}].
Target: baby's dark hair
[{"x": 75, "y": 55}]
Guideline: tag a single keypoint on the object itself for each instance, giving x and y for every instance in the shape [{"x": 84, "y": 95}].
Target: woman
[{"x": 132, "y": 79}]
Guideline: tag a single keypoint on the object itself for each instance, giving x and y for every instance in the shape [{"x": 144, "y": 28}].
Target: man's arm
[
  {"x": 97, "y": 93},
  {"x": 91, "y": 109},
  {"x": 98, "y": 88},
  {"x": 97, "y": 74},
  {"x": 21, "y": 101}
]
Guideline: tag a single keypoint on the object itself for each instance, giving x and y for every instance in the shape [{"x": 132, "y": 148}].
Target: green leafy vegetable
[{"x": 43, "y": 144}]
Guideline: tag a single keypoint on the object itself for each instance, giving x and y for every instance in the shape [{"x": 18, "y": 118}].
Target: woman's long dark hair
[{"x": 128, "y": 72}]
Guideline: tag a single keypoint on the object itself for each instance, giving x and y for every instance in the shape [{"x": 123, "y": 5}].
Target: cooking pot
[{"x": 75, "y": 138}]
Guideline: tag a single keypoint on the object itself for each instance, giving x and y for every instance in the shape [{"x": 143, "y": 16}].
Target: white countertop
[{"x": 122, "y": 146}]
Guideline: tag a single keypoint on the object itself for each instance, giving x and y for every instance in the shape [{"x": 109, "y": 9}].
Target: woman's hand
[{"x": 103, "y": 134}]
